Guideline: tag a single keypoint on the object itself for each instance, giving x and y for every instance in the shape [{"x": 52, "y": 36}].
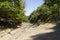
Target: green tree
[
  {"x": 11, "y": 12},
  {"x": 49, "y": 11}
]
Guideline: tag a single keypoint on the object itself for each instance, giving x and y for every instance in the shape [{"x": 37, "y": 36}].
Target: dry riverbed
[{"x": 28, "y": 32}]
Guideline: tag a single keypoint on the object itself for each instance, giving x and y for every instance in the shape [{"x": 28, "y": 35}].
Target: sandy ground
[{"x": 27, "y": 32}]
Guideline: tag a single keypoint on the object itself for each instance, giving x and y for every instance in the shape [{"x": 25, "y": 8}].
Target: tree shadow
[
  {"x": 5, "y": 25},
  {"x": 49, "y": 36}
]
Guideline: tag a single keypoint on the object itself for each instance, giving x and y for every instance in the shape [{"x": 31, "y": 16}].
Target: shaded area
[
  {"x": 49, "y": 36},
  {"x": 5, "y": 25}
]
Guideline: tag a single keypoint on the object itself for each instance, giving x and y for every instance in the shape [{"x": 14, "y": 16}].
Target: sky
[{"x": 31, "y": 5}]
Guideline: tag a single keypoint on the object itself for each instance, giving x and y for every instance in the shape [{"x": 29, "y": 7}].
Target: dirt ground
[{"x": 45, "y": 31}]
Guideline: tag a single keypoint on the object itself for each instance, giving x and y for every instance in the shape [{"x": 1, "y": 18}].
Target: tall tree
[
  {"x": 49, "y": 11},
  {"x": 11, "y": 11}
]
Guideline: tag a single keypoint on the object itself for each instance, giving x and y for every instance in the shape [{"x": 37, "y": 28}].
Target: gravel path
[{"x": 26, "y": 31}]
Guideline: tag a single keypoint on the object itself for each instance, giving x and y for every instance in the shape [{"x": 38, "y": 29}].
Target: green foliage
[
  {"x": 11, "y": 11},
  {"x": 52, "y": 2},
  {"x": 47, "y": 12}
]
